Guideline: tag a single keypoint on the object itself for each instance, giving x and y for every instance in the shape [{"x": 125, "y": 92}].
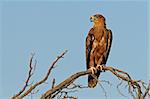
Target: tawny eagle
[{"x": 98, "y": 44}]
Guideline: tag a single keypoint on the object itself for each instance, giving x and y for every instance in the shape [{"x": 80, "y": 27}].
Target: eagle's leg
[
  {"x": 93, "y": 69},
  {"x": 99, "y": 67}
]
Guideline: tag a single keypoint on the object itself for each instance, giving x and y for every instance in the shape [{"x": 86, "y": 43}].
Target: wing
[
  {"x": 89, "y": 42},
  {"x": 109, "y": 43}
]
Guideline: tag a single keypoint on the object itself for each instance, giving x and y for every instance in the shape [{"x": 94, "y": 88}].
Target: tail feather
[{"x": 93, "y": 79}]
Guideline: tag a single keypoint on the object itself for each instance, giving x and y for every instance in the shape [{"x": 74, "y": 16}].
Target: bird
[{"x": 98, "y": 45}]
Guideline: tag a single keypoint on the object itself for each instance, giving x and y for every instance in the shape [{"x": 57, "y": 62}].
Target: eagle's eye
[{"x": 96, "y": 16}]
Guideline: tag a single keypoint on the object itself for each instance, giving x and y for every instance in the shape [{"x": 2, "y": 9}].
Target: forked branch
[
  {"x": 24, "y": 92},
  {"x": 135, "y": 84},
  {"x": 137, "y": 88}
]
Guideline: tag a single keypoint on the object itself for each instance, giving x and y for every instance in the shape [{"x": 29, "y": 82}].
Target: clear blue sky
[{"x": 48, "y": 28}]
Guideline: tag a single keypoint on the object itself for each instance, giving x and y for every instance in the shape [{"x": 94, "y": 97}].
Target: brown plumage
[{"x": 98, "y": 43}]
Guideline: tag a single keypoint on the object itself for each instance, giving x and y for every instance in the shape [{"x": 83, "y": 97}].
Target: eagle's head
[{"x": 98, "y": 20}]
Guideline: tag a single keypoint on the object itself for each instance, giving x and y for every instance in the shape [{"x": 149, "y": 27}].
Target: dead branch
[
  {"x": 147, "y": 92},
  {"x": 24, "y": 93},
  {"x": 118, "y": 73},
  {"x": 28, "y": 78},
  {"x": 135, "y": 87},
  {"x": 65, "y": 83}
]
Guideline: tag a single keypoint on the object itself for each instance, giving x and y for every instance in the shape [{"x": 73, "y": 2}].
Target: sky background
[{"x": 47, "y": 28}]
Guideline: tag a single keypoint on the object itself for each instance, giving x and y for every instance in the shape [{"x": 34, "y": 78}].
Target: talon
[
  {"x": 93, "y": 69},
  {"x": 99, "y": 67}
]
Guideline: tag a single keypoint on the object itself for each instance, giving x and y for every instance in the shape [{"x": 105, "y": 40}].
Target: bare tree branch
[
  {"x": 65, "y": 83},
  {"x": 24, "y": 93},
  {"x": 147, "y": 91},
  {"x": 118, "y": 73},
  {"x": 53, "y": 83},
  {"x": 135, "y": 87},
  {"x": 28, "y": 78}
]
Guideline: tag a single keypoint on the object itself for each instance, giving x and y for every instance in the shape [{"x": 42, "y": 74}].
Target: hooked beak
[{"x": 92, "y": 18}]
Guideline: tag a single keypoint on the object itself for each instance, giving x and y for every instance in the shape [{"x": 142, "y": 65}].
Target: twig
[
  {"x": 118, "y": 89},
  {"x": 65, "y": 83},
  {"x": 20, "y": 95},
  {"x": 105, "y": 93},
  {"x": 46, "y": 77},
  {"x": 53, "y": 83},
  {"x": 28, "y": 78},
  {"x": 147, "y": 91}
]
